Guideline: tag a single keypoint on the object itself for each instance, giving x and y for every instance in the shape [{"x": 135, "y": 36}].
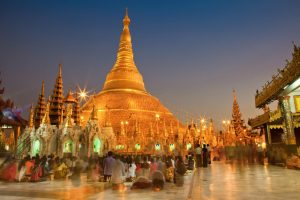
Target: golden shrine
[{"x": 140, "y": 122}]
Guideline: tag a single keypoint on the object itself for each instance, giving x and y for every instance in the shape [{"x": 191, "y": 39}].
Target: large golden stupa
[{"x": 124, "y": 103}]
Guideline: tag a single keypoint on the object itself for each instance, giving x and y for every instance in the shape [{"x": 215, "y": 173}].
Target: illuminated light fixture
[
  {"x": 202, "y": 120},
  {"x": 120, "y": 147},
  {"x": 263, "y": 145},
  {"x": 157, "y": 116},
  {"x": 6, "y": 147},
  {"x": 83, "y": 94}
]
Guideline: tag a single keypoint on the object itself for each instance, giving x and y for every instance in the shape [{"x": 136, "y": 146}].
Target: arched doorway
[
  {"x": 188, "y": 146},
  {"x": 157, "y": 147},
  {"x": 172, "y": 147},
  {"x": 36, "y": 147},
  {"x": 137, "y": 147},
  {"x": 96, "y": 145}
]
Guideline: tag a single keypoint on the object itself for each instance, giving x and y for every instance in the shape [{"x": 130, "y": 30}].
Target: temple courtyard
[{"x": 218, "y": 181}]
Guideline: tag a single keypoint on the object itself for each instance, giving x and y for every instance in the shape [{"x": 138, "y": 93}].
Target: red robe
[
  {"x": 9, "y": 173},
  {"x": 36, "y": 174}
]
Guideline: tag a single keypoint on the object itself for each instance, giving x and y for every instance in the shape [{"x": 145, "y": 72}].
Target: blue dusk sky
[{"x": 190, "y": 53}]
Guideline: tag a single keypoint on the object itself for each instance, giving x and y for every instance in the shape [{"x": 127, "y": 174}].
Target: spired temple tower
[
  {"x": 138, "y": 119},
  {"x": 56, "y": 106}
]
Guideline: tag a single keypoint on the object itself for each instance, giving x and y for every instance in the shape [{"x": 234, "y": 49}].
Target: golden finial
[{"x": 126, "y": 20}]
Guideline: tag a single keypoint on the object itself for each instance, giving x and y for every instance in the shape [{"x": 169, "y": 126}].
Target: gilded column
[{"x": 289, "y": 135}]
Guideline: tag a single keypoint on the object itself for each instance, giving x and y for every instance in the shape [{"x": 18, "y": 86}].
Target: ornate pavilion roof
[{"x": 289, "y": 74}]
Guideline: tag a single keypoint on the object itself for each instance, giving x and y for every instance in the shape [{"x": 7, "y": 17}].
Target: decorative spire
[
  {"x": 76, "y": 109},
  {"x": 60, "y": 70},
  {"x": 57, "y": 99},
  {"x": 40, "y": 107},
  {"x": 46, "y": 118},
  {"x": 124, "y": 74},
  {"x": 31, "y": 117},
  {"x": 68, "y": 120},
  {"x": 94, "y": 114},
  {"x": 126, "y": 20},
  {"x": 234, "y": 94}
]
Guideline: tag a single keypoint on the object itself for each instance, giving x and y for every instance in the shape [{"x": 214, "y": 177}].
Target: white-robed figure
[{"x": 118, "y": 174}]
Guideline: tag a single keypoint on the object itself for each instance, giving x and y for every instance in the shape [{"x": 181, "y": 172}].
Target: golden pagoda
[{"x": 124, "y": 98}]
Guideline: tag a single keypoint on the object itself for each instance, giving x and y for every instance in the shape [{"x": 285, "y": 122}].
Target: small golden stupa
[{"x": 125, "y": 104}]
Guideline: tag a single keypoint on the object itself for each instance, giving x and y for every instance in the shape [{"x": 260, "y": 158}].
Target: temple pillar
[
  {"x": 288, "y": 127},
  {"x": 267, "y": 133}
]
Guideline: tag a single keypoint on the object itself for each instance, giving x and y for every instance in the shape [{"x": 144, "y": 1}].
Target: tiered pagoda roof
[
  {"x": 40, "y": 107},
  {"x": 57, "y": 100}
]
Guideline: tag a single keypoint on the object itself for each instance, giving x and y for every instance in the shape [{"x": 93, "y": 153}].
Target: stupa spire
[
  {"x": 40, "y": 107},
  {"x": 124, "y": 74}
]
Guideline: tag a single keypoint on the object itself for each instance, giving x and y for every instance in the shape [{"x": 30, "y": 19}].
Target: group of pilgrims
[{"x": 144, "y": 171}]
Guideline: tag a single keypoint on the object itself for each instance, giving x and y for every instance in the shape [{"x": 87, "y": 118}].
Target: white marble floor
[
  {"x": 219, "y": 181},
  {"x": 231, "y": 181}
]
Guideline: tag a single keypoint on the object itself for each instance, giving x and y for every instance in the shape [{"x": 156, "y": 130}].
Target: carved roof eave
[
  {"x": 259, "y": 120},
  {"x": 284, "y": 78}
]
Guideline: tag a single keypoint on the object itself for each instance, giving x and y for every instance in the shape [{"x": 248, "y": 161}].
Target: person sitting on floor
[
  {"x": 158, "y": 180},
  {"x": 141, "y": 182}
]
